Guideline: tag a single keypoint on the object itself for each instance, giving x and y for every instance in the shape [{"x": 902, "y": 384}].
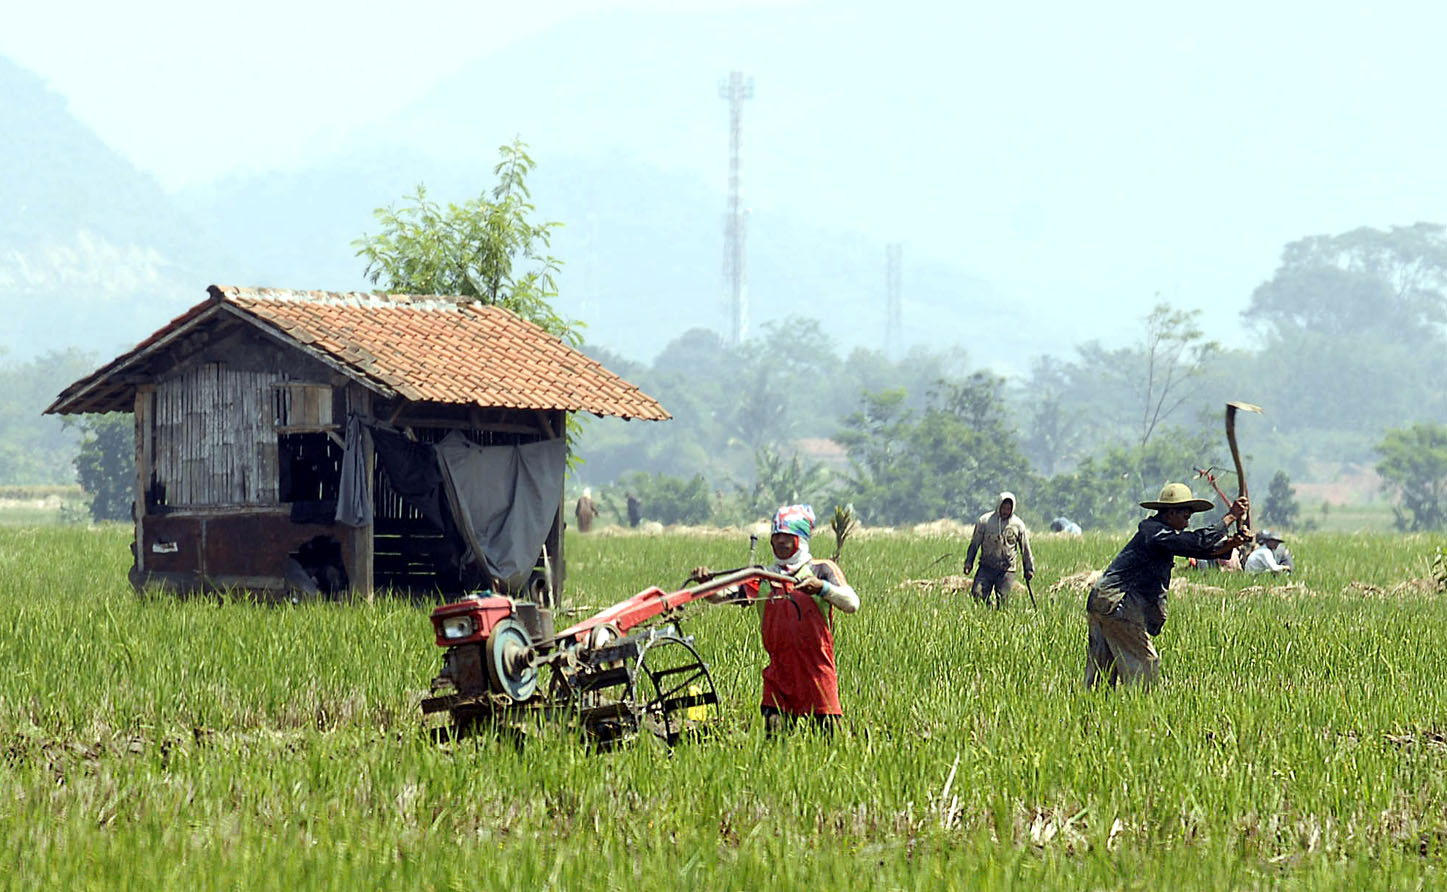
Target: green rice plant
[
  {"x": 842, "y": 523},
  {"x": 1297, "y": 739}
]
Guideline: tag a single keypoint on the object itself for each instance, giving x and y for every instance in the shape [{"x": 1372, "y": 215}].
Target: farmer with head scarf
[
  {"x": 585, "y": 510},
  {"x": 1127, "y": 607},
  {"x": 1003, "y": 544},
  {"x": 801, "y": 679}
]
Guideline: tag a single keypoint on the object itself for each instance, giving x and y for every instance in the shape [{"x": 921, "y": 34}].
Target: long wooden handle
[
  {"x": 1236, "y": 455},
  {"x": 1231, "y": 408}
]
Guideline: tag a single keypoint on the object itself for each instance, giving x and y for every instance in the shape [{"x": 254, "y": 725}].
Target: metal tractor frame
[{"x": 626, "y": 670}]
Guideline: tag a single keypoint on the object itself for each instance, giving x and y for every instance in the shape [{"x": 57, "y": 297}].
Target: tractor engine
[{"x": 490, "y": 642}]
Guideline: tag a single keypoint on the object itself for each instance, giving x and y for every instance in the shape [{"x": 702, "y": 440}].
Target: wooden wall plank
[
  {"x": 183, "y": 442},
  {"x": 219, "y": 480},
  {"x": 226, "y": 409},
  {"x": 265, "y": 440},
  {"x": 214, "y": 440},
  {"x": 226, "y": 433},
  {"x": 207, "y": 466},
  {"x": 174, "y": 440}
]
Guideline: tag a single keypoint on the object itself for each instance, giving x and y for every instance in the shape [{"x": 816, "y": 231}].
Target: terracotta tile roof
[{"x": 421, "y": 347}]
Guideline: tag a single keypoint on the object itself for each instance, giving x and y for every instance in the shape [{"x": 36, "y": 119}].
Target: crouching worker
[
  {"x": 801, "y": 680},
  {"x": 1263, "y": 558},
  {"x": 1127, "y": 607}
]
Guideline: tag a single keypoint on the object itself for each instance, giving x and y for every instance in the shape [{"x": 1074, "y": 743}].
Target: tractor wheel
[{"x": 671, "y": 692}]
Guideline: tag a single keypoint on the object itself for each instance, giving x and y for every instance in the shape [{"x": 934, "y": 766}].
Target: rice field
[
  {"x": 1298, "y": 740},
  {"x": 40, "y": 505}
]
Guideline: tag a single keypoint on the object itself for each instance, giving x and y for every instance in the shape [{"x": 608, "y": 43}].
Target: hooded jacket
[{"x": 1001, "y": 543}]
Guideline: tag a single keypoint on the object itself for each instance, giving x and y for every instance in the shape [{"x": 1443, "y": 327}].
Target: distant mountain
[
  {"x": 622, "y": 116},
  {"x": 93, "y": 253}
]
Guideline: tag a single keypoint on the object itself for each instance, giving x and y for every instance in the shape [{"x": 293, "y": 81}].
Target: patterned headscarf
[{"x": 796, "y": 520}]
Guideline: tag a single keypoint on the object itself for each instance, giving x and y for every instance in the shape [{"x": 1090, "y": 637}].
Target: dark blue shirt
[{"x": 1142, "y": 570}]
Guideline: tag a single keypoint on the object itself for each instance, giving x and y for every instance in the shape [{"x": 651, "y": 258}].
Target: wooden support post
[
  {"x": 362, "y": 571},
  {"x": 560, "y": 564},
  {"x": 554, "y": 546},
  {"x": 145, "y": 449}
]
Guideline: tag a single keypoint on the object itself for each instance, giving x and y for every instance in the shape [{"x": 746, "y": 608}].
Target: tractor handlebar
[{"x": 653, "y": 601}]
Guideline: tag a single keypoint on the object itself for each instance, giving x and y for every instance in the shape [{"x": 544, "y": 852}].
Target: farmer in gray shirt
[
  {"x": 1002, "y": 542},
  {"x": 1127, "y": 607}
]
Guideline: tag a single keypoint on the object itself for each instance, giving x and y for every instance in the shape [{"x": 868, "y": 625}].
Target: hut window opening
[
  {"x": 299, "y": 407},
  {"x": 308, "y": 450},
  {"x": 309, "y": 468}
]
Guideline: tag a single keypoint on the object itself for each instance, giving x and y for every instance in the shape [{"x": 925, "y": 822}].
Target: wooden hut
[{"x": 243, "y": 406}]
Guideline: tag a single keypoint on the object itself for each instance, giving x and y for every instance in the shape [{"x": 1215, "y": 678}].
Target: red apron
[{"x": 801, "y": 678}]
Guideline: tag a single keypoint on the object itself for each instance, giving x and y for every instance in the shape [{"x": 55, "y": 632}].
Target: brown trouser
[
  {"x": 1119, "y": 648},
  {"x": 993, "y": 580}
]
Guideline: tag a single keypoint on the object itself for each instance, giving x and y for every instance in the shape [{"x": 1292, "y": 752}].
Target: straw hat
[{"x": 1178, "y": 495}]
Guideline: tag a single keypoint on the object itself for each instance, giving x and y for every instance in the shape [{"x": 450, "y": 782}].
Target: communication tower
[
  {"x": 736, "y": 88},
  {"x": 892, "y": 336}
]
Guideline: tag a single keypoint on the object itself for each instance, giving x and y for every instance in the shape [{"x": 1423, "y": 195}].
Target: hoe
[{"x": 624, "y": 671}]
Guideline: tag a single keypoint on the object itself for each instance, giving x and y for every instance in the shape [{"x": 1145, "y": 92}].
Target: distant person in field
[
  {"x": 1067, "y": 526},
  {"x": 635, "y": 510},
  {"x": 801, "y": 680},
  {"x": 585, "y": 510},
  {"x": 1283, "y": 556},
  {"x": 1230, "y": 562},
  {"x": 1126, "y": 608},
  {"x": 1003, "y": 545},
  {"x": 1263, "y": 557}
]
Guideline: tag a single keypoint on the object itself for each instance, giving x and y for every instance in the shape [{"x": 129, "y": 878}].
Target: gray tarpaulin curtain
[
  {"x": 354, "y": 491},
  {"x": 504, "y": 497}
]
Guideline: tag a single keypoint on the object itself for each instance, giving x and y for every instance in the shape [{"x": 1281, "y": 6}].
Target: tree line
[{"x": 1350, "y": 348}]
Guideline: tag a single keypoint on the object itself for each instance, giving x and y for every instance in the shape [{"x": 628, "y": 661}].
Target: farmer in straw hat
[{"x": 1127, "y": 607}]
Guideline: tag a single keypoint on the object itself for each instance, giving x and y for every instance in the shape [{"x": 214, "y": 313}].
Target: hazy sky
[
  {"x": 1081, "y": 158},
  {"x": 189, "y": 91}
]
